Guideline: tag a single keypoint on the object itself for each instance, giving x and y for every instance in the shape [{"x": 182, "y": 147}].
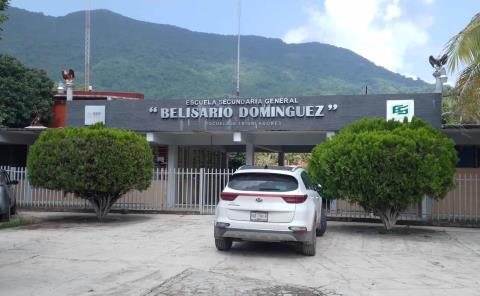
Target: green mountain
[{"x": 165, "y": 61}]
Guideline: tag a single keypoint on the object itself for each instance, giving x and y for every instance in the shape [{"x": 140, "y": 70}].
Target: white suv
[{"x": 277, "y": 204}]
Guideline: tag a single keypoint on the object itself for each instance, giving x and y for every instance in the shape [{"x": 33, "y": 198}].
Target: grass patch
[{"x": 15, "y": 222}]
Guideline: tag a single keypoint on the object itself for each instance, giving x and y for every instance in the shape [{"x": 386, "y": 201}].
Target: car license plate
[{"x": 259, "y": 216}]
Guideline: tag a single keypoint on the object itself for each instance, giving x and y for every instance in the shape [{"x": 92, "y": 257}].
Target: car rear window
[{"x": 262, "y": 182}]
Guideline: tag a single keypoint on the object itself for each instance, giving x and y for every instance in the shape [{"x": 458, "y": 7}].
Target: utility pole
[
  {"x": 238, "y": 47},
  {"x": 87, "y": 45}
]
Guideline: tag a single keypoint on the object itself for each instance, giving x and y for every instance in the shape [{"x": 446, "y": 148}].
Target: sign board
[
  {"x": 94, "y": 114},
  {"x": 399, "y": 109},
  {"x": 253, "y": 114}
]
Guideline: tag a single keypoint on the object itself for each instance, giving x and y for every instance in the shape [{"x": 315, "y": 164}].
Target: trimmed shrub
[
  {"x": 94, "y": 163},
  {"x": 385, "y": 166}
]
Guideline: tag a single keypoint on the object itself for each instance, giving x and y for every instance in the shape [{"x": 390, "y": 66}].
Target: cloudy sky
[{"x": 396, "y": 34}]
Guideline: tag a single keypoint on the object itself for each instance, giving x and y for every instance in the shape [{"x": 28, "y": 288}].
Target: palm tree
[{"x": 464, "y": 49}]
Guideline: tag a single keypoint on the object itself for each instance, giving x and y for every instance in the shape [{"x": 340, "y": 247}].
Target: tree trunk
[
  {"x": 389, "y": 217},
  {"x": 102, "y": 204}
]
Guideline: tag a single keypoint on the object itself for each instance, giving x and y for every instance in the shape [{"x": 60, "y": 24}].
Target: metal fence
[
  {"x": 198, "y": 190},
  {"x": 460, "y": 206},
  {"x": 192, "y": 190}
]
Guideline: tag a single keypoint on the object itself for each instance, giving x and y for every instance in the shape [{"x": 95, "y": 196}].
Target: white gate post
[
  {"x": 427, "y": 207},
  {"x": 200, "y": 188},
  {"x": 172, "y": 163}
]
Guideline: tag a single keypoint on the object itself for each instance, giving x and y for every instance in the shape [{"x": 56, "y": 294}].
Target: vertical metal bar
[
  {"x": 209, "y": 187},
  {"x": 165, "y": 189},
  {"x": 470, "y": 208},
  {"x": 44, "y": 194},
  {"x": 161, "y": 189},
  {"x": 206, "y": 188},
  {"x": 155, "y": 201},
  {"x": 179, "y": 188},
  {"x": 200, "y": 189},
  {"x": 184, "y": 185},
  {"x": 215, "y": 188},
  {"x": 465, "y": 198},
  {"x": 215, "y": 181},
  {"x": 191, "y": 184},
  {"x": 177, "y": 179},
  {"x": 195, "y": 189},
  {"x": 193, "y": 200},
  {"x": 214, "y": 184},
  {"x": 187, "y": 188},
  {"x": 22, "y": 185},
  {"x": 476, "y": 197},
  {"x": 154, "y": 192},
  {"x": 182, "y": 188},
  {"x": 459, "y": 183}
]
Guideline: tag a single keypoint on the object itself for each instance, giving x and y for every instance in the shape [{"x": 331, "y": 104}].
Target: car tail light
[
  {"x": 295, "y": 198},
  {"x": 228, "y": 196}
]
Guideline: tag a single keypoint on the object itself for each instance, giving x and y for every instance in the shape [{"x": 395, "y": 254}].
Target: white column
[
  {"x": 69, "y": 91},
  {"x": 172, "y": 166},
  {"x": 250, "y": 154}
]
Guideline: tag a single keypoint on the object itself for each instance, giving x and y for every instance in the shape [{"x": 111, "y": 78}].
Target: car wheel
[
  {"x": 309, "y": 248},
  {"x": 223, "y": 244},
  {"x": 323, "y": 223}
]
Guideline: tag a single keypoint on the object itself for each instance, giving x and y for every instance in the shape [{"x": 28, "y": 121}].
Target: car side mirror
[
  {"x": 13, "y": 182},
  {"x": 318, "y": 187}
]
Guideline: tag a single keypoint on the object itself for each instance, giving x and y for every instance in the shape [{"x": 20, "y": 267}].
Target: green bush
[
  {"x": 385, "y": 166},
  {"x": 95, "y": 163}
]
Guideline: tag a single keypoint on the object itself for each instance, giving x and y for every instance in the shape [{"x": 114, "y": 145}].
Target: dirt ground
[{"x": 138, "y": 254}]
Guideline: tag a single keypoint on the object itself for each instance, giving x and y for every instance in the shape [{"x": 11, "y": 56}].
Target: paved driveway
[{"x": 72, "y": 254}]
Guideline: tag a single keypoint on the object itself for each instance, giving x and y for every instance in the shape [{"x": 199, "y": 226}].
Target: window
[
  {"x": 307, "y": 181},
  {"x": 263, "y": 182}
]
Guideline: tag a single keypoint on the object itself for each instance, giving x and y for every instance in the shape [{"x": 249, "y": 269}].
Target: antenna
[
  {"x": 238, "y": 47},
  {"x": 87, "y": 45}
]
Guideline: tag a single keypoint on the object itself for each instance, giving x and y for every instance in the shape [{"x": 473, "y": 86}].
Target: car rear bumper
[{"x": 262, "y": 235}]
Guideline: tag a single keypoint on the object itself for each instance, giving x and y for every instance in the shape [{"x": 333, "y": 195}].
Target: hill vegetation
[{"x": 165, "y": 61}]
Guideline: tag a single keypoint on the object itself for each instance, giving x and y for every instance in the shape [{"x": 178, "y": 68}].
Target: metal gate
[
  {"x": 190, "y": 190},
  {"x": 198, "y": 190}
]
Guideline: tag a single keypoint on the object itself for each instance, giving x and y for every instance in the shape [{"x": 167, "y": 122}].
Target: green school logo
[{"x": 400, "y": 109}]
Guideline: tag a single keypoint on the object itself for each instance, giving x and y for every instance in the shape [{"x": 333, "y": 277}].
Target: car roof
[{"x": 269, "y": 169}]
